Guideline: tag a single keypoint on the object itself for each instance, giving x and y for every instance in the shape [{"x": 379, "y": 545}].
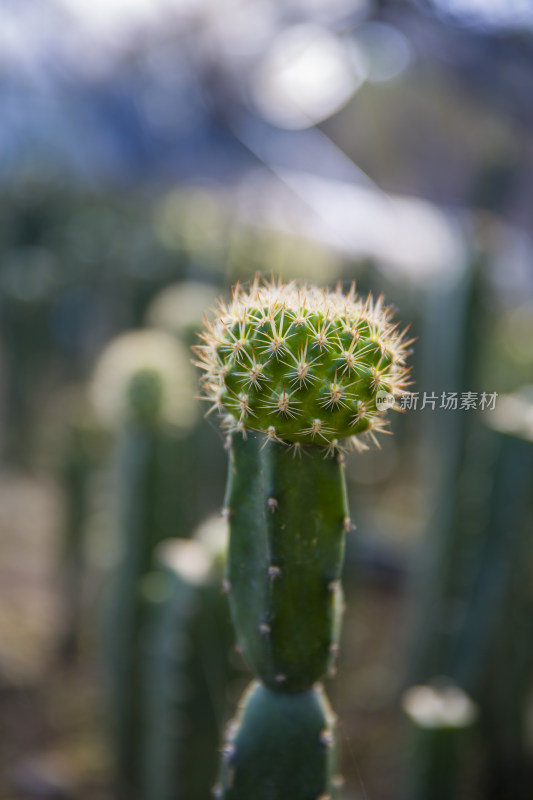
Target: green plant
[
  {"x": 83, "y": 449},
  {"x": 141, "y": 389},
  {"x": 298, "y": 374},
  {"x": 179, "y": 310},
  {"x": 187, "y": 646},
  {"x": 452, "y": 451},
  {"x": 495, "y": 643},
  {"x": 441, "y": 717}
]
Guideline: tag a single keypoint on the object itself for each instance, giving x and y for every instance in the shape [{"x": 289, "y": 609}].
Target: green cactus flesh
[
  {"x": 441, "y": 721},
  {"x": 134, "y": 469},
  {"x": 186, "y": 672},
  {"x": 140, "y": 463},
  {"x": 145, "y": 395},
  {"x": 302, "y": 365},
  {"x": 287, "y": 522},
  {"x": 281, "y": 746}
]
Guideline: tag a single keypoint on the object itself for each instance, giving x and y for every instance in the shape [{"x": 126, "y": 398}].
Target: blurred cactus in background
[
  {"x": 27, "y": 287},
  {"x": 84, "y": 449},
  {"x": 496, "y": 648},
  {"x": 143, "y": 386},
  {"x": 187, "y": 649},
  {"x": 450, "y": 365},
  {"x": 179, "y": 310},
  {"x": 440, "y": 718},
  {"x": 476, "y": 551}
]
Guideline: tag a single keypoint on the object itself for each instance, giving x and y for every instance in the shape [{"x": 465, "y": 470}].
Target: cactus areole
[{"x": 298, "y": 375}]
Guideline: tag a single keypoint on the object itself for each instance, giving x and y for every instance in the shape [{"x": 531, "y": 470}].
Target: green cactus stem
[
  {"x": 179, "y": 310},
  {"x": 488, "y": 650},
  {"x": 298, "y": 374},
  {"x": 287, "y": 521},
  {"x": 281, "y": 745},
  {"x": 453, "y": 449},
  {"x": 441, "y": 718},
  {"x": 83, "y": 449},
  {"x": 186, "y": 644},
  {"x": 495, "y": 648},
  {"x": 140, "y": 387},
  {"x": 136, "y": 502}
]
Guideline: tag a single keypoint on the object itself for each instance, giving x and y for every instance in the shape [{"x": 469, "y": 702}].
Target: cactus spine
[{"x": 297, "y": 374}]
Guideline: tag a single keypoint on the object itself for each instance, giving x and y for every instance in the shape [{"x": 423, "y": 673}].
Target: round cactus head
[{"x": 301, "y": 364}]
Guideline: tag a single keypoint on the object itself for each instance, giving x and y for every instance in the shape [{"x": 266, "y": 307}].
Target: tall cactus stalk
[
  {"x": 441, "y": 718},
  {"x": 141, "y": 387},
  {"x": 187, "y": 668},
  {"x": 179, "y": 310},
  {"x": 496, "y": 641},
  {"x": 83, "y": 448},
  {"x": 284, "y": 513},
  {"x": 298, "y": 374},
  {"x": 452, "y": 451}
]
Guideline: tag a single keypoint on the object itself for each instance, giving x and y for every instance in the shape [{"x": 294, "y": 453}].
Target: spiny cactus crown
[{"x": 301, "y": 364}]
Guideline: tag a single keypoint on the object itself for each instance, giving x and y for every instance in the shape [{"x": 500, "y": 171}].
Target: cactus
[
  {"x": 441, "y": 718},
  {"x": 281, "y": 745},
  {"x": 187, "y": 645},
  {"x": 284, "y": 513},
  {"x": 487, "y": 650},
  {"x": 302, "y": 365},
  {"x": 83, "y": 449},
  {"x": 25, "y": 301},
  {"x": 495, "y": 644},
  {"x": 179, "y": 309},
  {"x": 452, "y": 452},
  {"x": 141, "y": 387},
  {"x": 298, "y": 375}
]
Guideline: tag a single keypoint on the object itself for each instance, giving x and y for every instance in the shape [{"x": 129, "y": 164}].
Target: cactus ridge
[{"x": 301, "y": 364}]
